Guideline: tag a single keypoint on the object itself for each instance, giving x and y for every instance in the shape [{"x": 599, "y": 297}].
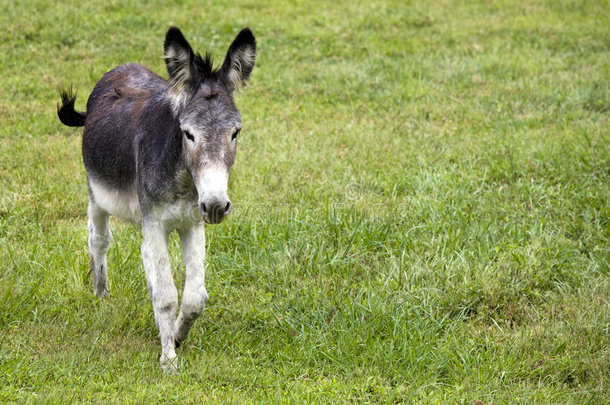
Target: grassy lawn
[{"x": 421, "y": 207}]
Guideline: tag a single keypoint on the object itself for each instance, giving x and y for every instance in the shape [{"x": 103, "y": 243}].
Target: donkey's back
[{"x": 115, "y": 111}]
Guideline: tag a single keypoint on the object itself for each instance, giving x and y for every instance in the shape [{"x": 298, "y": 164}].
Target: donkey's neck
[{"x": 161, "y": 166}]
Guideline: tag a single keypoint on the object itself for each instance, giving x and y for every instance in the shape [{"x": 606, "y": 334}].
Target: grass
[{"x": 421, "y": 197}]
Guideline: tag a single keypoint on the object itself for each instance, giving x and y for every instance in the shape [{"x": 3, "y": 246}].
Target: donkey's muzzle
[{"x": 215, "y": 211}]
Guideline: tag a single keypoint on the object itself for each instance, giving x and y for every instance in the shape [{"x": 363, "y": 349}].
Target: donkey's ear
[
  {"x": 239, "y": 61},
  {"x": 179, "y": 57}
]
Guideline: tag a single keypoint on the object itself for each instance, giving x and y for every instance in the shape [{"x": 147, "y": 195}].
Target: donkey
[{"x": 158, "y": 152}]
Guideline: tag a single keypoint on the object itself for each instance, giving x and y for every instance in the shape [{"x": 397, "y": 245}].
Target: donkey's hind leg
[{"x": 99, "y": 240}]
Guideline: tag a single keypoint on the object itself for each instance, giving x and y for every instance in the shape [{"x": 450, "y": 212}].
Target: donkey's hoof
[
  {"x": 102, "y": 293},
  {"x": 170, "y": 369},
  {"x": 169, "y": 365},
  {"x": 177, "y": 343}
]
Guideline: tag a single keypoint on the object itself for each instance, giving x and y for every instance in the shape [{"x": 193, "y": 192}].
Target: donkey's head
[{"x": 202, "y": 101}]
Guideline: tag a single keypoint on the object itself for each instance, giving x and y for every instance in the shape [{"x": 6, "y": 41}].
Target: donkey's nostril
[{"x": 215, "y": 210}]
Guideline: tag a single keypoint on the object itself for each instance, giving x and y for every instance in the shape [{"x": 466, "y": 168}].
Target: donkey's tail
[{"x": 66, "y": 112}]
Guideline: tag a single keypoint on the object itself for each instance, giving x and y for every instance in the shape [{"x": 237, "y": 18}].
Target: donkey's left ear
[{"x": 239, "y": 61}]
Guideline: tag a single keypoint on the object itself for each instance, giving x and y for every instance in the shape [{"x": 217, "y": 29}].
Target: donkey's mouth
[
  {"x": 210, "y": 221},
  {"x": 214, "y": 219}
]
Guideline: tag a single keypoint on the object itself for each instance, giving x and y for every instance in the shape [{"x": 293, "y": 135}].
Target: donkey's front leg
[
  {"x": 195, "y": 295},
  {"x": 162, "y": 289}
]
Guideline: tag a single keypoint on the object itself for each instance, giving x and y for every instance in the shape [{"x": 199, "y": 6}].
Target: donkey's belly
[{"x": 121, "y": 203}]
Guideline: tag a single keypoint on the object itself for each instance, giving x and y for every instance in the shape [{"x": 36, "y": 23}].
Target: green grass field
[{"x": 422, "y": 207}]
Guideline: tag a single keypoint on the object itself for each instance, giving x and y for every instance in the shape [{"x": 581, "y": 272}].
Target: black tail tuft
[{"x": 66, "y": 113}]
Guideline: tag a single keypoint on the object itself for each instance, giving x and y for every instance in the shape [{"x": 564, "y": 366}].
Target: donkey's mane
[{"x": 205, "y": 65}]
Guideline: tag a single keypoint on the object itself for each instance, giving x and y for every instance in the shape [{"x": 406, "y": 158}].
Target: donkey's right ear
[{"x": 179, "y": 57}]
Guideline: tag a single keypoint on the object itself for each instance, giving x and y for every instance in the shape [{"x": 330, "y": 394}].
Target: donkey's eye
[
  {"x": 189, "y": 136},
  {"x": 235, "y": 134}
]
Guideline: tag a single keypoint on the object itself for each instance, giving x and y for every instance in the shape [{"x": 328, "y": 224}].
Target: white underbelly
[{"x": 122, "y": 204}]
